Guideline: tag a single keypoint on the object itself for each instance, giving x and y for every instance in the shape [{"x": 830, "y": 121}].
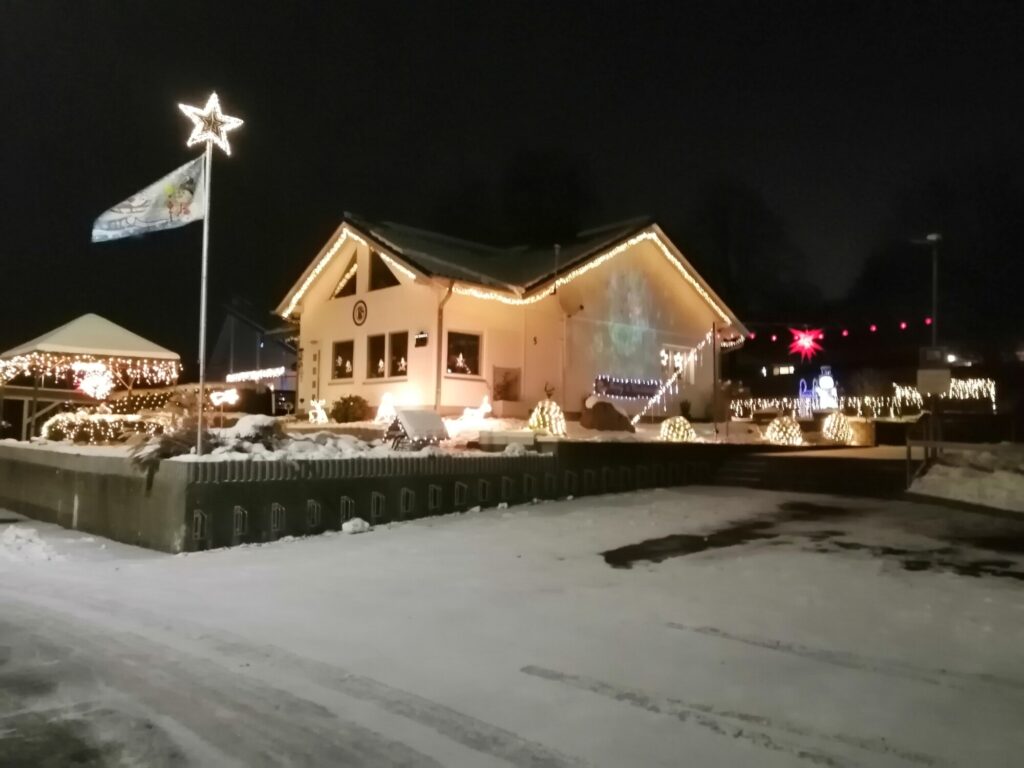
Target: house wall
[
  {"x": 620, "y": 315},
  {"x": 612, "y": 320},
  {"x": 410, "y": 306}
]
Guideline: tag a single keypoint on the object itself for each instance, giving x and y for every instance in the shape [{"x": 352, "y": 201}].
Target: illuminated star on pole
[
  {"x": 210, "y": 124},
  {"x": 805, "y": 343}
]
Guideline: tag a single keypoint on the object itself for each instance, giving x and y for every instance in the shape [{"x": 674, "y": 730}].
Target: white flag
[{"x": 174, "y": 201}]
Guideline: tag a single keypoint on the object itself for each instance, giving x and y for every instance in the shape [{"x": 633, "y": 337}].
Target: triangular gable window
[
  {"x": 381, "y": 275},
  {"x": 347, "y": 285}
]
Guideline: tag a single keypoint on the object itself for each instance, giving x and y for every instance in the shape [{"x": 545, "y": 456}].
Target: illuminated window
[
  {"x": 398, "y": 354},
  {"x": 381, "y": 275},
  {"x": 342, "y": 364},
  {"x": 464, "y": 353},
  {"x": 375, "y": 355},
  {"x": 783, "y": 370}
]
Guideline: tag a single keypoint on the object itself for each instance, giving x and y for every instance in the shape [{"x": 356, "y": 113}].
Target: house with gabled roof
[{"x": 439, "y": 322}]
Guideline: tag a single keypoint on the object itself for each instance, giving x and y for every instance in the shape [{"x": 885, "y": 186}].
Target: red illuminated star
[{"x": 805, "y": 343}]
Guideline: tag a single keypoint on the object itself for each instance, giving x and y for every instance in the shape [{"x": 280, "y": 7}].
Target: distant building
[
  {"x": 245, "y": 344},
  {"x": 439, "y": 322}
]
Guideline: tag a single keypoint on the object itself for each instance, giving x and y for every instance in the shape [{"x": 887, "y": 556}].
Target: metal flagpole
[
  {"x": 207, "y": 173},
  {"x": 210, "y": 125}
]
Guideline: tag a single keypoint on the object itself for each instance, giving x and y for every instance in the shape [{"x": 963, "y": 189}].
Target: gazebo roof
[{"x": 95, "y": 336}]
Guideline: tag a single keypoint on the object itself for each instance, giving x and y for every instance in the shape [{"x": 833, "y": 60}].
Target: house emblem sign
[{"x": 359, "y": 312}]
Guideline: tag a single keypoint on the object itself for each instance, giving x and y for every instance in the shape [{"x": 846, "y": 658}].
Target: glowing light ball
[
  {"x": 784, "y": 430},
  {"x": 94, "y": 379},
  {"x": 837, "y": 429},
  {"x": 805, "y": 343},
  {"x": 677, "y": 430},
  {"x": 386, "y": 412},
  {"x": 548, "y": 417}
]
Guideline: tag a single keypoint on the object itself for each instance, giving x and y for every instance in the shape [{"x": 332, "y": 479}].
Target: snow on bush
[
  {"x": 355, "y": 525},
  {"x": 250, "y": 427},
  {"x": 21, "y": 544}
]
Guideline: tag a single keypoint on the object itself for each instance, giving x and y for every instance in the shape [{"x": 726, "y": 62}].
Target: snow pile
[
  {"x": 249, "y": 427},
  {"x": 355, "y": 525},
  {"x": 19, "y": 544},
  {"x": 992, "y": 478},
  {"x": 515, "y": 449}
]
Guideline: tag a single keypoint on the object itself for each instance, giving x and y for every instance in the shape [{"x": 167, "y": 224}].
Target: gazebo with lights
[{"x": 90, "y": 353}]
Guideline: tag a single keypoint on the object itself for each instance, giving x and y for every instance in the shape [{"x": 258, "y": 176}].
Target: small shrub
[{"x": 351, "y": 408}]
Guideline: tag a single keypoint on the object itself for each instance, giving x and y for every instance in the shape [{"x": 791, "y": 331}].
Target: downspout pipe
[{"x": 440, "y": 338}]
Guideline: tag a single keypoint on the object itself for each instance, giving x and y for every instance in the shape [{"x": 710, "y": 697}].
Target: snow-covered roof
[{"x": 92, "y": 335}]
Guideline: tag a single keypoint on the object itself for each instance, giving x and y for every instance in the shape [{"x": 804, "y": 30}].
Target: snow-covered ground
[
  {"x": 992, "y": 477},
  {"x": 799, "y": 630}
]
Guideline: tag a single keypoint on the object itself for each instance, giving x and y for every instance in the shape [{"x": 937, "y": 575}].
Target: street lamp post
[{"x": 933, "y": 240}]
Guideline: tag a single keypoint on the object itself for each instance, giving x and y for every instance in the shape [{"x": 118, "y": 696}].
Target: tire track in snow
[
  {"x": 686, "y": 713},
  {"x": 245, "y": 722},
  {"x": 226, "y": 650},
  {"x": 942, "y": 677}
]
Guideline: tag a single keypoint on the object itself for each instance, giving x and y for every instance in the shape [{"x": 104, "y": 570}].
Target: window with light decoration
[
  {"x": 398, "y": 354},
  {"x": 463, "y": 353},
  {"x": 376, "y": 353},
  {"x": 342, "y": 363},
  {"x": 381, "y": 275}
]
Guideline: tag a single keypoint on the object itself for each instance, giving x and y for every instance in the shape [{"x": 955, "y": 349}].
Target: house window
[
  {"x": 342, "y": 362},
  {"x": 347, "y": 284},
  {"x": 464, "y": 353},
  {"x": 398, "y": 358},
  {"x": 381, "y": 275},
  {"x": 375, "y": 354}
]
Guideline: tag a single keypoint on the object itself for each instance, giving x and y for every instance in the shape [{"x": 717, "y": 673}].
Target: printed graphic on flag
[{"x": 174, "y": 201}]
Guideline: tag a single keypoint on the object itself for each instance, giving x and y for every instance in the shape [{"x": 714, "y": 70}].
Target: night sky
[{"x": 416, "y": 111}]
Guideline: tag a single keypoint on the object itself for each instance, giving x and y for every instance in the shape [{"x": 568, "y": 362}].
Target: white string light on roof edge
[
  {"x": 558, "y": 282},
  {"x": 572, "y": 275},
  {"x": 54, "y": 366},
  {"x": 342, "y": 238}
]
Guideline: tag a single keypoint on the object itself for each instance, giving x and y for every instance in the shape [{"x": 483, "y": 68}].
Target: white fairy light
[
  {"x": 317, "y": 413},
  {"x": 210, "y": 124},
  {"x": 540, "y": 294},
  {"x": 345, "y": 278},
  {"x": 784, "y": 430},
  {"x": 547, "y": 417},
  {"x": 94, "y": 379},
  {"x": 258, "y": 375},
  {"x": 572, "y": 275},
  {"x": 345, "y": 235},
  {"x": 837, "y": 429},
  {"x": 677, "y": 429},
  {"x": 224, "y": 397}
]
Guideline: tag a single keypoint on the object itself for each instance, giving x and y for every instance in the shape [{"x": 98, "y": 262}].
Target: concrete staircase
[{"x": 743, "y": 471}]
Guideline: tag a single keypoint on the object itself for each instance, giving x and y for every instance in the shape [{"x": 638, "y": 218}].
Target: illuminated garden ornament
[
  {"x": 210, "y": 124},
  {"x": 805, "y": 343}
]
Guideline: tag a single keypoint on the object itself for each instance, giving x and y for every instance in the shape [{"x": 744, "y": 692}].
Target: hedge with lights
[
  {"x": 98, "y": 428},
  {"x": 677, "y": 429},
  {"x": 784, "y": 430},
  {"x": 837, "y": 429},
  {"x": 548, "y": 417}
]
